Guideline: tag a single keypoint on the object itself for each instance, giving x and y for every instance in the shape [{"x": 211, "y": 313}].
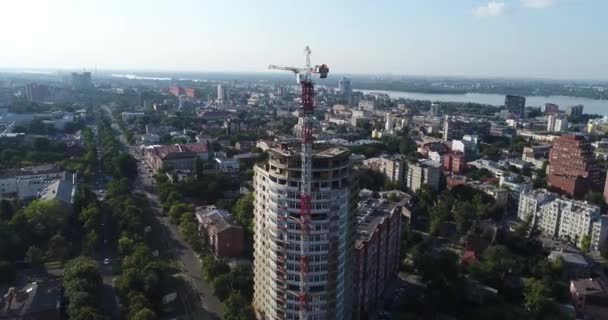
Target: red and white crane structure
[{"x": 304, "y": 78}]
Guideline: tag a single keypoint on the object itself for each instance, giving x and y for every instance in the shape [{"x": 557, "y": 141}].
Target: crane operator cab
[{"x": 322, "y": 70}]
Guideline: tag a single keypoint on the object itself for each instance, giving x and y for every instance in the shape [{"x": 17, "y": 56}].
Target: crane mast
[{"x": 304, "y": 78}]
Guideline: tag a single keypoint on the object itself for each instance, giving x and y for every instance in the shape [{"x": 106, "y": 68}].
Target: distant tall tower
[
  {"x": 390, "y": 122},
  {"x": 82, "y": 81},
  {"x": 435, "y": 109},
  {"x": 221, "y": 93},
  {"x": 345, "y": 88},
  {"x": 516, "y": 105}
]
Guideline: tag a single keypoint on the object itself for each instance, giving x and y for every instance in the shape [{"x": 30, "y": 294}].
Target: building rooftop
[
  {"x": 62, "y": 190},
  {"x": 218, "y": 218},
  {"x": 590, "y": 287},
  {"x": 33, "y": 298},
  {"x": 569, "y": 257},
  {"x": 319, "y": 150},
  {"x": 370, "y": 214}
]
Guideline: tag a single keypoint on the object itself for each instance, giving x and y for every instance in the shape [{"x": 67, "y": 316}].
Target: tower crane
[{"x": 304, "y": 78}]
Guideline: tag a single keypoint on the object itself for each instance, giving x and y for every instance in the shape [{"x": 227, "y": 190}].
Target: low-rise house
[
  {"x": 590, "y": 298},
  {"x": 63, "y": 191},
  {"x": 227, "y": 165},
  {"x": 225, "y": 236},
  {"x": 39, "y": 300},
  {"x": 575, "y": 265}
]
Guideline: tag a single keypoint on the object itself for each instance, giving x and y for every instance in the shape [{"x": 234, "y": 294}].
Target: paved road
[
  {"x": 107, "y": 248},
  {"x": 197, "y": 295}
]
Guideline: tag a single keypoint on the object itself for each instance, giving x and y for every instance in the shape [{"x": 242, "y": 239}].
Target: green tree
[
  {"x": 85, "y": 313},
  {"x": 243, "y": 211},
  {"x": 596, "y": 198},
  {"x": 222, "y": 286},
  {"x": 497, "y": 262},
  {"x": 586, "y": 243},
  {"x": 537, "y": 297},
  {"x": 237, "y": 308},
  {"x": 144, "y": 314},
  {"x": 212, "y": 268},
  {"x": 176, "y": 211},
  {"x": 125, "y": 245},
  {"x": 58, "y": 248}
]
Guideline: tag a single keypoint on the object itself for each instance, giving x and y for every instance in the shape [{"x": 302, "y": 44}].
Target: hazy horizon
[{"x": 508, "y": 39}]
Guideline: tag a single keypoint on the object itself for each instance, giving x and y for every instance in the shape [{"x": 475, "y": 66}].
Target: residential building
[
  {"x": 221, "y": 93},
  {"x": 500, "y": 195},
  {"x": 39, "y": 300},
  {"x": 557, "y": 123},
  {"x": 36, "y": 92},
  {"x": 326, "y": 261},
  {"x": 454, "y": 162},
  {"x": 393, "y": 168},
  {"x": 454, "y": 128},
  {"x": 64, "y": 191},
  {"x": 227, "y": 165},
  {"x": 177, "y": 91},
  {"x": 516, "y": 184},
  {"x": 27, "y": 183},
  {"x": 346, "y": 90},
  {"x": 566, "y": 219},
  {"x": 516, "y": 105},
  {"x": 194, "y": 93},
  {"x": 376, "y": 254},
  {"x": 536, "y": 155},
  {"x": 590, "y": 298},
  {"x": 551, "y": 108},
  {"x": 82, "y": 81},
  {"x": 573, "y": 169},
  {"x": 574, "y": 111},
  {"x": 601, "y": 149},
  {"x": 226, "y": 238},
  {"x": 176, "y": 156},
  {"x": 435, "y": 110},
  {"x": 575, "y": 265},
  {"x": 150, "y": 139},
  {"x": 130, "y": 116},
  {"x": 424, "y": 172},
  {"x": 465, "y": 147}
]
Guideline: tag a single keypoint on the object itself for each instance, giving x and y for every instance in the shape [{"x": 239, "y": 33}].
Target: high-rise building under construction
[{"x": 278, "y": 259}]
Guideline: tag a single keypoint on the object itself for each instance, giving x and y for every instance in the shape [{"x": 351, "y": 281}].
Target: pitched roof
[{"x": 178, "y": 151}]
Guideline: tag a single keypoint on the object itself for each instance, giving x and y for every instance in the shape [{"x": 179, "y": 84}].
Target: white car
[{"x": 106, "y": 261}]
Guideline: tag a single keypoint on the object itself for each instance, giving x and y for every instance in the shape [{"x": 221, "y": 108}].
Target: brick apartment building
[
  {"x": 573, "y": 169},
  {"x": 176, "y": 156},
  {"x": 224, "y": 235},
  {"x": 177, "y": 90},
  {"x": 454, "y": 162},
  {"x": 376, "y": 254}
]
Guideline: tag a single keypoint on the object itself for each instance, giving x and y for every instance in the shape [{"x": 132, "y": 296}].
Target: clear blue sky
[{"x": 508, "y": 38}]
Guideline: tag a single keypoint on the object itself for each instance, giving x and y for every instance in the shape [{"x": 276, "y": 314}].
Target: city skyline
[{"x": 508, "y": 38}]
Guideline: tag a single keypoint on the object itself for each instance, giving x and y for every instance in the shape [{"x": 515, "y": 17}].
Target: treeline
[
  {"x": 16, "y": 153},
  {"x": 144, "y": 277},
  {"x": 116, "y": 161},
  {"x": 528, "y": 285},
  {"x": 234, "y": 287},
  {"x": 37, "y": 233}
]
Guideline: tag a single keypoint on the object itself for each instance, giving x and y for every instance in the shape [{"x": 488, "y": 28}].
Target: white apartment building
[
  {"x": 567, "y": 219},
  {"x": 278, "y": 260},
  {"x": 421, "y": 173},
  {"x": 391, "y": 167}
]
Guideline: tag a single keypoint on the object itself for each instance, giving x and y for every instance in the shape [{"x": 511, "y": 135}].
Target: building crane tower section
[{"x": 304, "y": 78}]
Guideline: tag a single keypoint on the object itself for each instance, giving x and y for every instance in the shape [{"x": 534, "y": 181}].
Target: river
[{"x": 592, "y": 106}]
